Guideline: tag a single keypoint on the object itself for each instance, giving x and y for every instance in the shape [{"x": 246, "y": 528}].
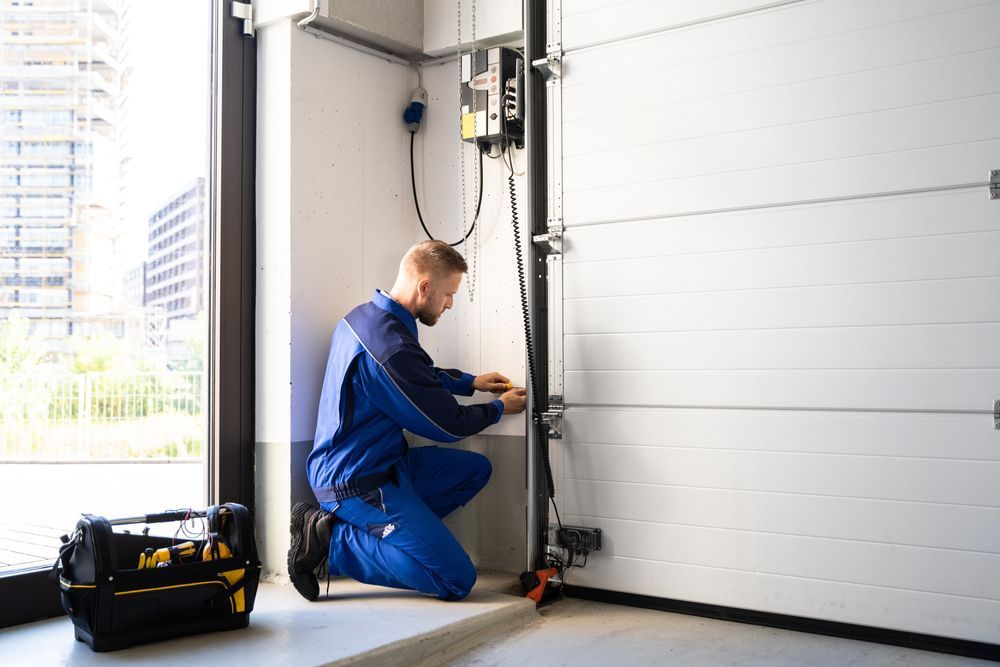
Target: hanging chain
[
  {"x": 474, "y": 271},
  {"x": 461, "y": 140},
  {"x": 471, "y": 253}
]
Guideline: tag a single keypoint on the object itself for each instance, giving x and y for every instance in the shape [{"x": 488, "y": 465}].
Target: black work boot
[{"x": 310, "y": 528}]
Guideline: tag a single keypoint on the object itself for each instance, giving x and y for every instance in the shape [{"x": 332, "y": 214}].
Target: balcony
[
  {"x": 103, "y": 29},
  {"x": 99, "y": 82},
  {"x": 33, "y": 251},
  {"x": 109, "y": 7}
]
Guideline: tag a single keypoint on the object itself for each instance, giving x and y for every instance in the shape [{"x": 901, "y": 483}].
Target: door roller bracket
[
  {"x": 550, "y": 67},
  {"x": 996, "y": 414},
  {"x": 553, "y": 417},
  {"x": 995, "y": 184},
  {"x": 552, "y": 242}
]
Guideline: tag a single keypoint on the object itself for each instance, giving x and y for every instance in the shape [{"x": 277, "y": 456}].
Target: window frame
[{"x": 232, "y": 235}]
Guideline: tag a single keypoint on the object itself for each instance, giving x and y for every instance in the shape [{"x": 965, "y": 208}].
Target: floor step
[{"x": 355, "y": 625}]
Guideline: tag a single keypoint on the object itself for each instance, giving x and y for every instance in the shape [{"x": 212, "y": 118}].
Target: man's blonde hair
[{"x": 436, "y": 258}]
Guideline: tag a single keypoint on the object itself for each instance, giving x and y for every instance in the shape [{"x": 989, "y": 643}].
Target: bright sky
[{"x": 168, "y": 114}]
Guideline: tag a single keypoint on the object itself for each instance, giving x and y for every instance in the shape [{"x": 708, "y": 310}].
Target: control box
[
  {"x": 578, "y": 539},
  {"x": 491, "y": 95}
]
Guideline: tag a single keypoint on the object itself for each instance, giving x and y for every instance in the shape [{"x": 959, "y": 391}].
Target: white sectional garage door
[{"x": 782, "y": 305}]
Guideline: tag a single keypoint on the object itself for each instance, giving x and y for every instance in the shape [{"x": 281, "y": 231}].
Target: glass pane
[{"x": 104, "y": 116}]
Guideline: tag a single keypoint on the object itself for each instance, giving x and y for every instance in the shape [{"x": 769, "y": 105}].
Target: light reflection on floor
[{"x": 41, "y": 501}]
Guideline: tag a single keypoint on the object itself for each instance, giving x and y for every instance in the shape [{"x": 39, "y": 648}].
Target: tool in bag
[
  {"x": 165, "y": 556},
  {"x": 199, "y": 585}
]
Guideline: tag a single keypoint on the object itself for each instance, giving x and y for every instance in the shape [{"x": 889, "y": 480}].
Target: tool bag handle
[{"x": 162, "y": 517}]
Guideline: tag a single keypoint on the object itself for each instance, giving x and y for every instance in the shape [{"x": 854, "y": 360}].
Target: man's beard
[{"x": 427, "y": 318}]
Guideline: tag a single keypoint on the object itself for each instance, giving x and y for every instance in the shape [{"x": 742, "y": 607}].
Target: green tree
[{"x": 20, "y": 351}]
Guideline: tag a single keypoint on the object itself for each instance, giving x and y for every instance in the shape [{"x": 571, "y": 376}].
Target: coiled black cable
[
  {"x": 413, "y": 183},
  {"x": 529, "y": 339}
]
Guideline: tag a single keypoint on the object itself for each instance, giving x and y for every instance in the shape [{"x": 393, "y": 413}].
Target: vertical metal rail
[
  {"x": 535, "y": 200},
  {"x": 233, "y": 254}
]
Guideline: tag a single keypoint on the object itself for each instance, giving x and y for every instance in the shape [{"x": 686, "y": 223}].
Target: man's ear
[{"x": 424, "y": 287}]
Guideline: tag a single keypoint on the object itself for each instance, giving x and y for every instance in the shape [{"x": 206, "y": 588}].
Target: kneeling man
[{"x": 381, "y": 503}]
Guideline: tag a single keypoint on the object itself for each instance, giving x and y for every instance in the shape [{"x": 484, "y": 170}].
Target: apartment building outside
[
  {"x": 175, "y": 268},
  {"x": 61, "y": 163}
]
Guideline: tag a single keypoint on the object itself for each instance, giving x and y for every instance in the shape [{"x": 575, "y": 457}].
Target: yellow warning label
[{"x": 468, "y": 125}]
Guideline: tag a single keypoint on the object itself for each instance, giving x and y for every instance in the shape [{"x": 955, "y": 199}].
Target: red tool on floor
[{"x": 537, "y": 588}]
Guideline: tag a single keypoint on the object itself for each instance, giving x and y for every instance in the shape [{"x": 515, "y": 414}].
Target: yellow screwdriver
[{"x": 166, "y": 555}]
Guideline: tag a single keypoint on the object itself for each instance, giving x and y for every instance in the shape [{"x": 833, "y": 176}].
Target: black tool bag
[{"x": 114, "y": 603}]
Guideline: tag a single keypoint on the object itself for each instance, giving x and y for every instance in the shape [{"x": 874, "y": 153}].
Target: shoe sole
[{"x": 300, "y": 580}]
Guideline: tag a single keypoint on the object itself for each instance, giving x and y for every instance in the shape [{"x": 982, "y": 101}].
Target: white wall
[
  {"x": 273, "y": 291},
  {"x": 335, "y": 214},
  {"x": 496, "y": 21},
  {"x": 332, "y": 221},
  {"x": 273, "y": 193},
  {"x": 349, "y": 206},
  {"x": 485, "y": 333}
]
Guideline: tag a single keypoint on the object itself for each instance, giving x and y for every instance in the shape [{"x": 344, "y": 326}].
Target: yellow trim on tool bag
[
  {"x": 195, "y": 583},
  {"x": 216, "y": 548},
  {"x": 233, "y": 576},
  {"x": 65, "y": 584}
]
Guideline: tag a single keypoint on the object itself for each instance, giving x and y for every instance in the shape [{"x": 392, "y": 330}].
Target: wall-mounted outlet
[{"x": 579, "y": 539}]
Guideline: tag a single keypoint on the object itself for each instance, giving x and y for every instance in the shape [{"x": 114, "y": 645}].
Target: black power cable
[
  {"x": 529, "y": 339},
  {"x": 413, "y": 183},
  {"x": 525, "y": 311}
]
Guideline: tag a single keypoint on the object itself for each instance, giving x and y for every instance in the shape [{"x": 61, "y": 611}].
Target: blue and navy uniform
[{"x": 378, "y": 382}]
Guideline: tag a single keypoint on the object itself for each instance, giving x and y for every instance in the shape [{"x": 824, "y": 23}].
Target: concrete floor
[
  {"x": 367, "y": 625},
  {"x": 573, "y": 633},
  {"x": 356, "y": 625}
]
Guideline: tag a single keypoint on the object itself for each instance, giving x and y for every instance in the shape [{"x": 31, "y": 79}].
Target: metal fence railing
[{"x": 100, "y": 416}]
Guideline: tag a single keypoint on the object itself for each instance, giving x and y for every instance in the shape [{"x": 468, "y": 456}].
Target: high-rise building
[
  {"x": 175, "y": 271},
  {"x": 61, "y": 82}
]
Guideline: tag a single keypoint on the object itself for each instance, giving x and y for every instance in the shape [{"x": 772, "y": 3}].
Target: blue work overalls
[{"x": 390, "y": 499}]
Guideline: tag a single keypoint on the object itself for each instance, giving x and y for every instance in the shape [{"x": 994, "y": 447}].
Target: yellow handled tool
[{"x": 166, "y": 555}]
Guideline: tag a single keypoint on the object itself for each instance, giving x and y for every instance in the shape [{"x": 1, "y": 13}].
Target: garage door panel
[
  {"x": 972, "y": 255},
  {"x": 586, "y": 21},
  {"x": 952, "y": 346},
  {"x": 958, "y": 301},
  {"x": 910, "y": 130},
  {"x": 753, "y": 52},
  {"x": 898, "y": 217},
  {"x": 927, "y": 435},
  {"x": 879, "y": 521},
  {"x": 970, "y": 389},
  {"x": 883, "y": 565},
  {"x": 975, "y": 619},
  {"x": 873, "y": 175},
  {"x": 779, "y": 318},
  {"x": 838, "y": 475},
  {"x": 801, "y": 103}
]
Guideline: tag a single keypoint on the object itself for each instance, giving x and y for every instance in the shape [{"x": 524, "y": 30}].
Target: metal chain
[
  {"x": 474, "y": 272},
  {"x": 473, "y": 252},
  {"x": 461, "y": 141}
]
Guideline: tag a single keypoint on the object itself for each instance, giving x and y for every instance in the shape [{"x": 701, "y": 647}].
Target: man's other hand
[
  {"x": 513, "y": 401},
  {"x": 493, "y": 382}
]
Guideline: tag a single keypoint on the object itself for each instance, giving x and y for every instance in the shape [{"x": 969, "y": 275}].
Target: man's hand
[
  {"x": 513, "y": 401},
  {"x": 493, "y": 382}
]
